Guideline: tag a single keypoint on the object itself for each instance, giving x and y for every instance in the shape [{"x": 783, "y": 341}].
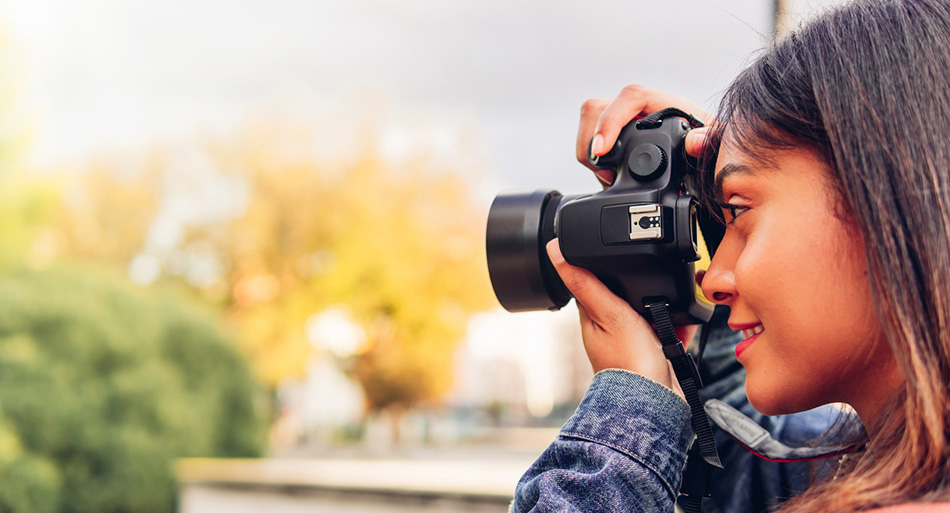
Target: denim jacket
[
  {"x": 623, "y": 450},
  {"x": 625, "y": 447}
]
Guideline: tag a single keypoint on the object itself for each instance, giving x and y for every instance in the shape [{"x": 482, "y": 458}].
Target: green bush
[{"x": 102, "y": 386}]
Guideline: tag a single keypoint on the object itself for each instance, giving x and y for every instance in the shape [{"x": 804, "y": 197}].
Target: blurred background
[{"x": 242, "y": 243}]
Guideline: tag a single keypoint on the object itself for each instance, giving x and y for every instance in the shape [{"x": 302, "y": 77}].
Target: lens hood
[{"x": 520, "y": 224}]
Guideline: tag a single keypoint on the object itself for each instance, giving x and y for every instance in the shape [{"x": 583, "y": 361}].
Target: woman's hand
[
  {"x": 602, "y": 119},
  {"x": 615, "y": 336}
]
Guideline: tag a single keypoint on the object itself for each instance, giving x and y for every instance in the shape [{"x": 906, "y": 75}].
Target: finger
[
  {"x": 590, "y": 113},
  {"x": 585, "y": 317},
  {"x": 606, "y": 177},
  {"x": 636, "y": 100},
  {"x": 624, "y": 108},
  {"x": 696, "y": 141},
  {"x": 602, "y": 306}
]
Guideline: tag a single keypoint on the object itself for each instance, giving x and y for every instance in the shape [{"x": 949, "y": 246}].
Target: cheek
[
  {"x": 848, "y": 259},
  {"x": 841, "y": 274},
  {"x": 791, "y": 280},
  {"x": 848, "y": 283},
  {"x": 790, "y": 260},
  {"x": 767, "y": 264}
]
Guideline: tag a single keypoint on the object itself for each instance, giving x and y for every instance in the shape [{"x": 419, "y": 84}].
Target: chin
[
  {"x": 769, "y": 407},
  {"x": 772, "y": 401}
]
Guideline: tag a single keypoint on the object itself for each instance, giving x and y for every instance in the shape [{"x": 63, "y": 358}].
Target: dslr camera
[{"x": 639, "y": 237}]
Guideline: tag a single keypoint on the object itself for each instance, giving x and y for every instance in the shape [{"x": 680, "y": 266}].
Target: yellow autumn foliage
[{"x": 399, "y": 246}]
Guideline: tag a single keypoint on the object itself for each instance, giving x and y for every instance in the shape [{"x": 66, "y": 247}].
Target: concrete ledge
[{"x": 478, "y": 480}]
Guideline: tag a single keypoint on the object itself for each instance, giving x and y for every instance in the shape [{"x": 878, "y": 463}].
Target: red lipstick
[{"x": 746, "y": 343}]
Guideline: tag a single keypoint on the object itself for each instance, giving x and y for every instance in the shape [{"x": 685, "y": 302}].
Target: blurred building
[
  {"x": 522, "y": 368},
  {"x": 511, "y": 371}
]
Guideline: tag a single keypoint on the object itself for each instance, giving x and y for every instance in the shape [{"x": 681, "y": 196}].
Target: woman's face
[{"x": 793, "y": 272}]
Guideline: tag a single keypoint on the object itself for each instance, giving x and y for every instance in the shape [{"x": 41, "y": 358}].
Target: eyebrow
[{"x": 727, "y": 171}]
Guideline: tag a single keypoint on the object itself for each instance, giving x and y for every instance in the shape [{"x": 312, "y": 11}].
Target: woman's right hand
[{"x": 602, "y": 119}]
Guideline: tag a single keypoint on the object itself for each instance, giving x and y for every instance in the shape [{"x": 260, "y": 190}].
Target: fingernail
[
  {"x": 597, "y": 145},
  {"x": 695, "y": 140},
  {"x": 554, "y": 252}
]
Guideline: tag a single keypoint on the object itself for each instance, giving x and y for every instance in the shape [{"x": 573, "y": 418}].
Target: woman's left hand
[{"x": 615, "y": 335}]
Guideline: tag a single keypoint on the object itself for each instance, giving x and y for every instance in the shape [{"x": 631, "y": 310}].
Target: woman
[{"x": 832, "y": 174}]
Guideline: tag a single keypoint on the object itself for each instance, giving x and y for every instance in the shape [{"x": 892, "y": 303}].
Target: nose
[{"x": 719, "y": 282}]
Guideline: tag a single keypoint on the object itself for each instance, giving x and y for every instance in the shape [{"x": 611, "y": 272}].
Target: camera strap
[
  {"x": 757, "y": 440},
  {"x": 656, "y": 119},
  {"x": 698, "y": 469}
]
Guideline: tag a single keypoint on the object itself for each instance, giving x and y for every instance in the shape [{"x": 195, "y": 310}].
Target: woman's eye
[{"x": 733, "y": 211}]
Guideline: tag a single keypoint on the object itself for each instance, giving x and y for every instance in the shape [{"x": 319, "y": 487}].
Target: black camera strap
[
  {"x": 698, "y": 469},
  {"x": 654, "y": 120}
]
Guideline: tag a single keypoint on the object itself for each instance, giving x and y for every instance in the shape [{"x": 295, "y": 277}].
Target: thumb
[
  {"x": 601, "y": 304},
  {"x": 696, "y": 141}
]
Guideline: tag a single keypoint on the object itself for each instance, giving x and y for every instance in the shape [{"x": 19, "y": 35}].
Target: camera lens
[{"x": 519, "y": 227}]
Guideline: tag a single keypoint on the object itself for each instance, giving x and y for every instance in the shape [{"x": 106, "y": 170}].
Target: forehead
[
  {"x": 759, "y": 156},
  {"x": 733, "y": 161},
  {"x": 779, "y": 167},
  {"x": 748, "y": 154},
  {"x": 737, "y": 164}
]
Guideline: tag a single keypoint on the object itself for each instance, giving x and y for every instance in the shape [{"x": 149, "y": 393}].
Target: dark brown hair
[{"x": 867, "y": 87}]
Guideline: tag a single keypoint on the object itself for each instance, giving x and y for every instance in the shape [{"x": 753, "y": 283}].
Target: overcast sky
[{"x": 121, "y": 73}]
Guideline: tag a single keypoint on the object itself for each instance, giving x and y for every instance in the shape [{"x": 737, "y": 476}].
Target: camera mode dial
[{"x": 646, "y": 162}]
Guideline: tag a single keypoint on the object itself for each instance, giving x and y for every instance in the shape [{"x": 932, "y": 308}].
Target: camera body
[{"x": 639, "y": 237}]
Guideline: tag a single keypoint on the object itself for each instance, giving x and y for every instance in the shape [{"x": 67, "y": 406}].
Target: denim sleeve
[{"x": 623, "y": 450}]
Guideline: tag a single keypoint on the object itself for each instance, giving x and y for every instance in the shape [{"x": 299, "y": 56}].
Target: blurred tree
[
  {"x": 26, "y": 202},
  {"x": 31, "y": 482},
  {"x": 399, "y": 244},
  {"x": 101, "y": 387},
  {"x": 107, "y": 208}
]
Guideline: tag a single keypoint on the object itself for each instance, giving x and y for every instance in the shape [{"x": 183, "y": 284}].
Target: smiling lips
[
  {"x": 749, "y": 336},
  {"x": 752, "y": 331}
]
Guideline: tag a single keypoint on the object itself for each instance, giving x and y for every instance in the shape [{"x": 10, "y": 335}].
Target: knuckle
[
  {"x": 575, "y": 283},
  {"x": 581, "y": 153},
  {"x": 591, "y": 107},
  {"x": 634, "y": 91}
]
